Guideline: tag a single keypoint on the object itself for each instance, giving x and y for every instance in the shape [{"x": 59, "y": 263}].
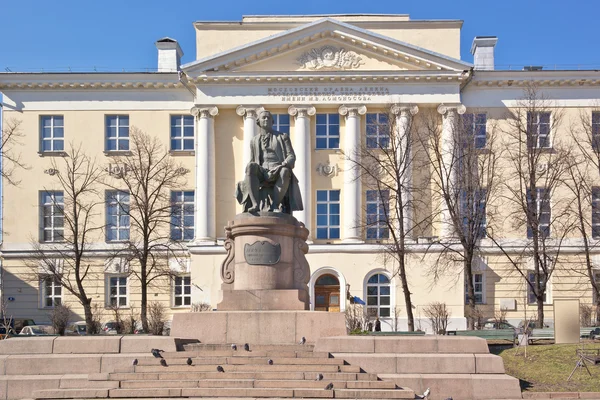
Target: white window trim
[
  {"x": 597, "y": 200},
  {"x": 472, "y": 131},
  {"x": 328, "y": 202},
  {"x": 392, "y": 292},
  {"x": 538, "y": 205},
  {"x": 537, "y": 135},
  {"x": 117, "y": 228},
  {"x": 43, "y": 293},
  {"x": 181, "y": 206},
  {"x": 180, "y": 137},
  {"x": 548, "y": 300},
  {"x": 117, "y": 138},
  {"x": 183, "y": 296},
  {"x": 379, "y": 127},
  {"x": 328, "y": 135},
  {"x": 107, "y": 290},
  {"x": 380, "y": 225},
  {"x": 328, "y": 271},
  {"x": 277, "y": 125},
  {"x": 52, "y": 139},
  {"x": 52, "y": 228}
]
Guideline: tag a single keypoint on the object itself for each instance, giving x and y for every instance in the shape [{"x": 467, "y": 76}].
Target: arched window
[
  {"x": 327, "y": 293},
  {"x": 378, "y": 296}
]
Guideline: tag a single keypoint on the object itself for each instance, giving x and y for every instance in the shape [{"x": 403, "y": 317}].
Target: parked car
[
  {"x": 16, "y": 325},
  {"x": 109, "y": 328},
  {"x": 37, "y": 330},
  {"x": 498, "y": 325},
  {"x": 76, "y": 329},
  {"x": 530, "y": 326}
]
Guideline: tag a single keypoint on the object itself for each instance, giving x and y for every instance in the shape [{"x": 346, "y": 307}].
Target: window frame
[
  {"x": 53, "y": 139},
  {"x": 183, "y": 295},
  {"x": 180, "y": 130},
  {"x": 328, "y": 203},
  {"x": 539, "y": 211},
  {"x": 328, "y": 135},
  {"x": 382, "y": 208},
  {"x": 535, "y": 125},
  {"x": 378, "y": 296},
  {"x": 182, "y": 206},
  {"x": 595, "y": 202},
  {"x": 118, "y": 296},
  {"x": 470, "y": 128},
  {"x": 481, "y": 293},
  {"x": 278, "y": 125},
  {"x": 463, "y": 205},
  {"x": 381, "y": 131},
  {"x": 53, "y": 296},
  {"x": 120, "y": 214},
  {"x": 54, "y": 207},
  {"x": 118, "y": 139},
  {"x": 530, "y": 294},
  {"x": 596, "y": 275},
  {"x": 595, "y": 130}
]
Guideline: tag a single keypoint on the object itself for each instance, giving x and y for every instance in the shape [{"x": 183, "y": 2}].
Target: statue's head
[{"x": 264, "y": 119}]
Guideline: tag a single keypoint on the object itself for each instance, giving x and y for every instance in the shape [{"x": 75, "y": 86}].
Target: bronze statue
[{"x": 269, "y": 184}]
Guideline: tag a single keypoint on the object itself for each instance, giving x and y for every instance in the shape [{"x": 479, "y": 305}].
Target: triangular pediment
[{"x": 324, "y": 46}]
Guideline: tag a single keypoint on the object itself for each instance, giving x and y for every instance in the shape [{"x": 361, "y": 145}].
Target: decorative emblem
[
  {"x": 116, "y": 170},
  {"x": 327, "y": 170},
  {"x": 329, "y": 57},
  {"x": 51, "y": 171},
  {"x": 262, "y": 253}
]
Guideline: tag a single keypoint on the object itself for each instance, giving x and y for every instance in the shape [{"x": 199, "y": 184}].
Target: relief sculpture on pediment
[{"x": 330, "y": 57}]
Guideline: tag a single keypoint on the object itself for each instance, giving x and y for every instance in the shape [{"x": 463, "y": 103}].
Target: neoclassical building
[{"x": 330, "y": 83}]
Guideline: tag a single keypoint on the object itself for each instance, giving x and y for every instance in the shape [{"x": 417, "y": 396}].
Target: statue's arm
[{"x": 290, "y": 159}]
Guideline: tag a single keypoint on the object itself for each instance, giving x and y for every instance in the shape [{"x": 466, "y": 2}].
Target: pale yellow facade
[{"x": 243, "y": 67}]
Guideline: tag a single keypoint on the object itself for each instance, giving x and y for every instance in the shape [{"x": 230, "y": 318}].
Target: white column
[
  {"x": 450, "y": 115},
  {"x": 352, "y": 193},
  {"x": 204, "y": 194},
  {"x": 302, "y": 170},
  {"x": 404, "y": 114},
  {"x": 249, "y": 113}
]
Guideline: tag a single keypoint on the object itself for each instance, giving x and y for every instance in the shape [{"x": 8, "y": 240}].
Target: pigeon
[
  {"x": 156, "y": 353},
  {"x": 339, "y": 369},
  {"x": 233, "y": 347},
  {"x": 303, "y": 340},
  {"x": 319, "y": 377},
  {"x": 135, "y": 362},
  {"x": 247, "y": 347},
  {"x": 425, "y": 395},
  {"x": 163, "y": 362},
  {"x": 448, "y": 398},
  {"x": 270, "y": 362},
  {"x": 189, "y": 361},
  {"x": 220, "y": 369},
  {"x": 329, "y": 387}
]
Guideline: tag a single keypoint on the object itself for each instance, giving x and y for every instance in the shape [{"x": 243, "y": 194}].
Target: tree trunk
[
  {"x": 89, "y": 317},
  {"x": 470, "y": 293},
  {"x": 144, "y": 309},
  {"x": 407, "y": 298},
  {"x": 540, "y": 310}
]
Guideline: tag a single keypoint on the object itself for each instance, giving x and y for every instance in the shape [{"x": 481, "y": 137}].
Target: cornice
[
  {"x": 557, "y": 78},
  {"x": 24, "y": 85}
]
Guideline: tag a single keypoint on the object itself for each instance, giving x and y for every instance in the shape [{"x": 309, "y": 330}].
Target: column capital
[
  {"x": 445, "y": 108},
  {"x": 249, "y": 111},
  {"x": 352, "y": 110},
  {"x": 403, "y": 109},
  {"x": 302, "y": 111},
  {"x": 204, "y": 111}
]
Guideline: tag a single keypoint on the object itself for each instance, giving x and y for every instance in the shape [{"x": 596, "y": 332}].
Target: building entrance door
[{"x": 327, "y": 293}]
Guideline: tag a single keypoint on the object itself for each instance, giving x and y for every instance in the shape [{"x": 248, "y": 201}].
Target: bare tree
[
  {"x": 62, "y": 253},
  {"x": 384, "y": 164},
  {"x": 9, "y": 144},
  {"x": 583, "y": 169},
  {"x": 464, "y": 154},
  {"x": 148, "y": 176},
  {"x": 538, "y": 166}
]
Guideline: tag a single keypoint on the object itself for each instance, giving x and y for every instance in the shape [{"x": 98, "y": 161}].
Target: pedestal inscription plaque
[{"x": 262, "y": 253}]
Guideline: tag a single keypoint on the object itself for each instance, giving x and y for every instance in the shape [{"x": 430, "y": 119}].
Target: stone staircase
[{"x": 294, "y": 373}]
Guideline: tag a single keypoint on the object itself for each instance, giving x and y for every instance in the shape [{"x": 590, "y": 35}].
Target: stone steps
[
  {"x": 128, "y": 376},
  {"x": 253, "y": 347},
  {"x": 315, "y": 368},
  {"x": 242, "y": 353},
  {"x": 251, "y": 383},
  {"x": 242, "y": 361}
]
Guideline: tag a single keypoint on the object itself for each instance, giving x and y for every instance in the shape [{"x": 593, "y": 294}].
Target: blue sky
[{"x": 115, "y": 35}]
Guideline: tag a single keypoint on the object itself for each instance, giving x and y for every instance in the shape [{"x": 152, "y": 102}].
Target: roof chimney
[
  {"x": 483, "y": 52},
  {"x": 169, "y": 55}
]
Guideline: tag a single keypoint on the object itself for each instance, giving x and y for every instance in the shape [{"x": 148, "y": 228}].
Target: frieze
[{"x": 317, "y": 94}]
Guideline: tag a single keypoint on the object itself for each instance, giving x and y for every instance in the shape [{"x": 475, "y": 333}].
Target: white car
[{"x": 36, "y": 330}]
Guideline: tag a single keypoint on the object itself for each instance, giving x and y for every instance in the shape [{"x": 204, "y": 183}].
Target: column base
[
  {"x": 204, "y": 242},
  {"x": 352, "y": 240}
]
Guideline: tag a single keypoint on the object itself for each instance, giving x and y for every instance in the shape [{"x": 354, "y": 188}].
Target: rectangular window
[
  {"x": 596, "y": 130},
  {"x": 530, "y": 294},
  {"x": 182, "y": 291},
  {"x": 53, "y": 217},
  {"x": 117, "y": 215},
  {"x": 477, "y": 287},
  {"x": 182, "y": 215},
  {"x": 596, "y": 212},
  {"x": 596, "y": 280},
  {"x": 539, "y": 200},
  {"x": 538, "y": 130},
  {"x": 117, "y": 291},
  {"x": 51, "y": 292},
  {"x": 282, "y": 123},
  {"x": 378, "y": 131},
  {"x": 53, "y": 133},
  {"x": 182, "y": 133},
  {"x": 328, "y": 131},
  {"x": 378, "y": 209},
  {"x": 328, "y": 214},
  {"x": 117, "y": 132},
  {"x": 474, "y": 127},
  {"x": 473, "y": 212}
]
